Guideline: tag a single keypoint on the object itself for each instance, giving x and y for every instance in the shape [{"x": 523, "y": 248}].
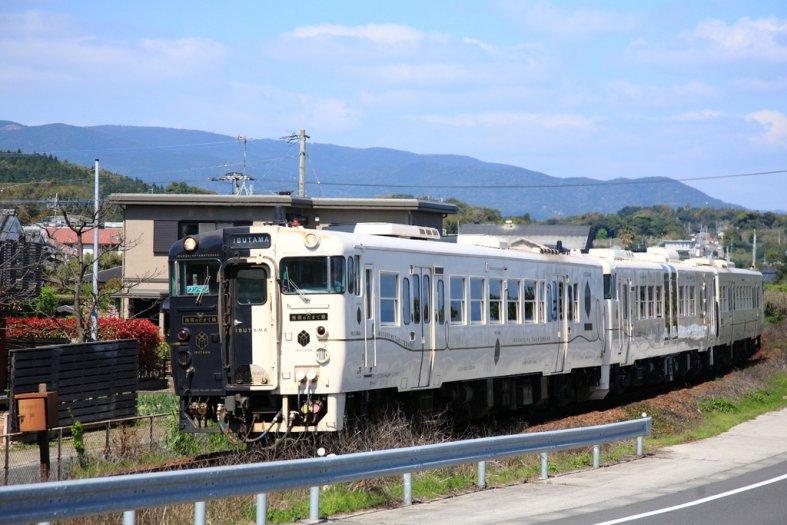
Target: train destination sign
[
  {"x": 309, "y": 317},
  {"x": 199, "y": 319},
  {"x": 245, "y": 241}
]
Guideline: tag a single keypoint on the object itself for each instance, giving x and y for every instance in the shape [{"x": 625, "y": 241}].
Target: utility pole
[
  {"x": 754, "y": 251},
  {"x": 97, "y": 219},
  {"x": 302, "y": 136}
]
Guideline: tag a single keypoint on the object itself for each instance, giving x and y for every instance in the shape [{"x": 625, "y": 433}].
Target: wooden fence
[{"x": 94, "y": 381}]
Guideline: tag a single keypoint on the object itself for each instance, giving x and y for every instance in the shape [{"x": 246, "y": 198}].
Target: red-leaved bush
[{"x": 109, "y": 328}]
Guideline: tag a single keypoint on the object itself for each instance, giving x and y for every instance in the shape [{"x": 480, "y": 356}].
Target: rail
[{"x": 71, "y": 499}]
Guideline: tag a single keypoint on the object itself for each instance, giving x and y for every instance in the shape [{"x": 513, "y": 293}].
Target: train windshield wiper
[
  {"x": 205, "y": 288},
  {"x": 294, "y": 287}
]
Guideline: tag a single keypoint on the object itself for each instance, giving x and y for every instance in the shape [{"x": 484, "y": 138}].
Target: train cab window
[
  {"x": 495, "y": 301},
  {"x": 251, "y": 285},
  {"x": 457, "y": 300},
  {"x": 476, "y": 300},
  {"x": 530, "y": 302},
  {"x": 312, "y": 275},
  {"x": 388, "y": 298},
  {"x": 197, "y": 278},
  {"x": 512, "y": 301},
  {"x": 440, "y": 301},
  {"x": 426, "y": 296},
  {"x": 406, "y": 305}
]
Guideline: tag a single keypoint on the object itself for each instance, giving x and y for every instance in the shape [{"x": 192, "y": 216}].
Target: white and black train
[{"x": 285, "y": 329}]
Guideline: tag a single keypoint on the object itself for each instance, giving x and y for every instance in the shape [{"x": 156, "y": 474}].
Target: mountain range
[{"x": 163, "y": 155}]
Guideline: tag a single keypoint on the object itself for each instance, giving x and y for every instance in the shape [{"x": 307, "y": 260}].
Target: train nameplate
[
  {"x": 245, "y": 241},
  {"x": 199, "y": 319},
  {"x": 309, "y": 317}
]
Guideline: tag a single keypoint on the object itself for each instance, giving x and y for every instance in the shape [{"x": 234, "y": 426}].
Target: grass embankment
[{"x": 679, "y": 416}]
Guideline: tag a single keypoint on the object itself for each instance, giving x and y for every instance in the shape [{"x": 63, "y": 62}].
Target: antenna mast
[{"x": 238, "y": 179}]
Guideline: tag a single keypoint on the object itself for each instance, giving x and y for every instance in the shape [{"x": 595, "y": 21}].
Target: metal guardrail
[{"x": 71, "y": 499}]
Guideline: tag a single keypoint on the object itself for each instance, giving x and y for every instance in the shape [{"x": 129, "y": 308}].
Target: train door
[
  {"x": 627, "y": 305},
  {"x": 369, "y": 340},
  {"x": 423, "y": 321},
  {"x": 247, "y": 314},
  {"x": 560, "y": 307}
]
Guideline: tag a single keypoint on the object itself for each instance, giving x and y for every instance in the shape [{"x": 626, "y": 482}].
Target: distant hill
[
  {"x": 30, "y": 177},
  {"x": 163, "y": 155}
]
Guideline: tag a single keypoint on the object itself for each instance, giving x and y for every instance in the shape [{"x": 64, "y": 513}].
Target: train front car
[{"x": 242, "y": 300}]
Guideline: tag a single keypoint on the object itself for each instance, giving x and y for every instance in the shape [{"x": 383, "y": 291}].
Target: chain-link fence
[{"x": 86, "y": 449}]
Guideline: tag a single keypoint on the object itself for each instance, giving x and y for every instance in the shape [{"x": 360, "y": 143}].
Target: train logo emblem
[
  {"x": 303, "y": 338},
  {"x": 201, "y": 340}
]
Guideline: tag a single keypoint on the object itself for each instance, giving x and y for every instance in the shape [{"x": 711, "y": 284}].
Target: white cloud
[
  {"x": 753, "y": 39},
  {"x": 697, "y": 116},
  {"x": 763, "y": 85},
  {"x": 383, "y": 34},
  {"x": 542, "y": 16},
  {"x": 760, "y": 38},
  {"x": 772, "y": 126},
  {"x": 40, "y": 46},
  {"x": 625, "y": 92},
  {"x": 511, "y": 118}
]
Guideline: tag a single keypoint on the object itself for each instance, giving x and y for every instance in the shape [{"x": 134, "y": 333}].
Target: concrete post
[
  {"x": 596, "y": 456},
  {"x": 481, "y": 481},
  {"x": 262, "y": 508},
  {"x": 314, "y": 504},
  {"x": 544, "y": 466}
]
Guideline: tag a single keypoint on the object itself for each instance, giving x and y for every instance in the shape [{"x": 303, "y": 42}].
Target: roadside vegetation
[{"x": 680, "y": 415}]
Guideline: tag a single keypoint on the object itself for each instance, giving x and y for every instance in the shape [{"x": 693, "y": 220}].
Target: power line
[{"x": 665, "y": 180}]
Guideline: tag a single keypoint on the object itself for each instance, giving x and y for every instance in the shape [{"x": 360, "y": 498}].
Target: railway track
[{"x": 488, "y": 426}]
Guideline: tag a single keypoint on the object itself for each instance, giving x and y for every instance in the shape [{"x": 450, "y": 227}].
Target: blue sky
[{"x": 599, "y": 89}]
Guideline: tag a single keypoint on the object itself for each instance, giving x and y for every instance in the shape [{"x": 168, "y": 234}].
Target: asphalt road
[{"x": 764, "y": 504}]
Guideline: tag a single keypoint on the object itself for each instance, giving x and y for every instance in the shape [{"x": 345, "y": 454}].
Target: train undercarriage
[{"x": 254, "y": 415}]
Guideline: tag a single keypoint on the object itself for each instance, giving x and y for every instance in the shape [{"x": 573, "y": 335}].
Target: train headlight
[
  {"x": 311, "y": 241},
  {"x": 190, "y": 244},
  {"x": 322, "y": 356},
  {"x": 184, "y": 335}
]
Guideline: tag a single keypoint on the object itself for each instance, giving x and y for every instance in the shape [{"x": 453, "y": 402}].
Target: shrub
[{"x": 109, "y": 328}]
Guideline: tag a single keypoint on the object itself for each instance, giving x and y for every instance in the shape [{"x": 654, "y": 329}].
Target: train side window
[
  {"x": 406, "y": 313},
  {"x": 477, "y": 300},
  {"x": 529, "y": 301},
  {"x": 512, "y": 299},
  {"x": 440, "y": 301},
  {"x": 643, "y": 302},
  {"x": 426, "y": 294},
  {"x": 551, "y": 294},
  {"x": 368, "y": 292},
  {"x": 357, "y": 275},
  {"x": 651, "y": 302},
  {"x": 495, "y": 300},
  {"x": 575, "y": 303},
  {"x": 416, "y": 298},
  {"x": 350, "y": 275},
  {"x": 457, "y": 300},
  {"x": 659, "y": 306},
  {"x": 388, "y": 298},
  {"x": 541, "y": 294},
  {"x": 570, "y": 301}
]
